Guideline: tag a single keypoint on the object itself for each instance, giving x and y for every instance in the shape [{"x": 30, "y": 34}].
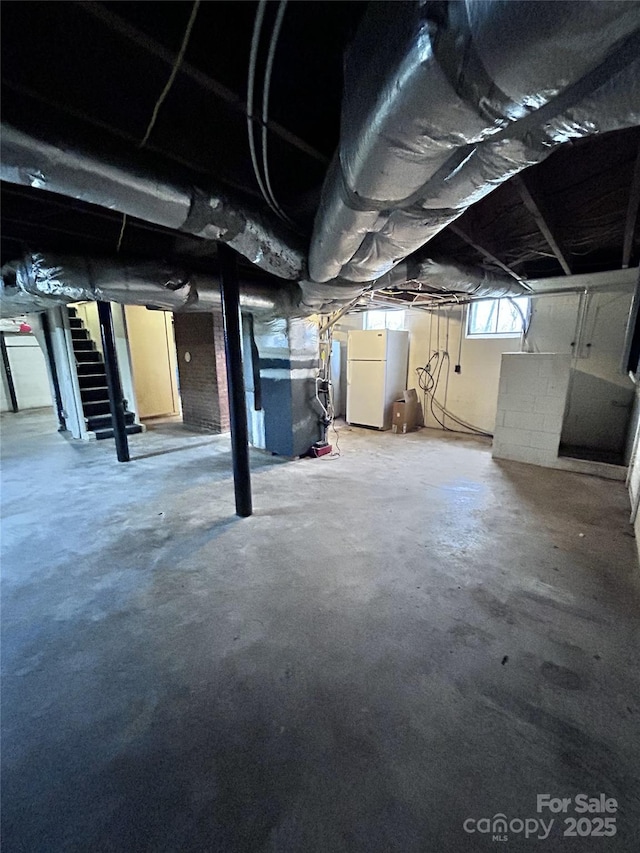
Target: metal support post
[
  {"x": 235, "y": 379},
  {"x": 116, "y": 400}
]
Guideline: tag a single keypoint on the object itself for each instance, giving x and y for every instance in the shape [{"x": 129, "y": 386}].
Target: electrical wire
[
  {"x": 263, "y": 185},
  {"x": 253, "y": 57},
  {"x": 161, "y": 99},
  {"x": 265, "y": 108},
  {"x": 172, "y": 76},
  {"x": 337, "y": 451},
  {"x": 121, "y": 235},
  {"x": 428, "y": 381},
  {"x": 433, "y": 394}
]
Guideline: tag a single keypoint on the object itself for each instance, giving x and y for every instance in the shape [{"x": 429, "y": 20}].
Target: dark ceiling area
[
  {"x": 91, "y": 73},
  {"x": 581, "y": 191}
]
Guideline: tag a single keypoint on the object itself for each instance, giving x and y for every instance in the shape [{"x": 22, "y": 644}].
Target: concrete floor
[{"x": 398, "y": 640}]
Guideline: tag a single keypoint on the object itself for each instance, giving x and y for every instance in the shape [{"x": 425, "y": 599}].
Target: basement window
[
  {"x": 384, "y": 320},
  {"x": 498, "y": 318}
]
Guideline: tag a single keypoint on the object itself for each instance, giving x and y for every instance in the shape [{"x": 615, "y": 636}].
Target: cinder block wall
[
  {"x": 531, "y": 405},
  {"x": 202, "y": 371}
]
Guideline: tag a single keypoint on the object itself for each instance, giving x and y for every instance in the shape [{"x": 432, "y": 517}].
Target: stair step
[
  {"x": 108, "y": 433},
  {"x": 82, "y": 345},
  {"x": 104, "y": 421},
  {"x": 75, "y": 323},
  {"x": 88, "y": 356},
  {"x": 79, "y": 334},
  {"x": 94, "y": 393},
  {"x": 93, "y": 378},
  {"x": 96, "y": 407}
]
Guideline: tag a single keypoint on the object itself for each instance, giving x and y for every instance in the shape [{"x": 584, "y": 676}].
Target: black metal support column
[
  {"x": 116, "y": 400},
  {"x": 46, "y": 331},
  {"x": 7, "y": 372},
  {"x": 235, "y": 379}
]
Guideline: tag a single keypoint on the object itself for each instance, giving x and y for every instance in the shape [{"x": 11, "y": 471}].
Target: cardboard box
[{"x": 406, "y": 413}]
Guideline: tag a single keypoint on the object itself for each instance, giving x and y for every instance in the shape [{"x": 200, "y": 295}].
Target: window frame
[
  {"x": 496, "y": 334},
  {"x": 386, "y": 313}
]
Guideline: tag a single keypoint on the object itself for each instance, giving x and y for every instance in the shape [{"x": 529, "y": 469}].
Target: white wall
[
  {"x": 29, "y": 372},
  {"x": 599, "y": 392},
  {"x": 471, "y": 394},
  {"x": 345, "y": 325},
  {"x": 590, "y": 328}
]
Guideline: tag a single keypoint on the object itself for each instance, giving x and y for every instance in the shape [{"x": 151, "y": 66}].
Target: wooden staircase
[{"x": 93, "y": 383}]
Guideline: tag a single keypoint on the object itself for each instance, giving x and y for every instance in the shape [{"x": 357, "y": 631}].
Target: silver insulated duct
[
  {"x": 435, "y": 277},
  {"x": 445, "y": 101},
  {"x": 135, "y": 191},
  {"x": 43, "y": 280}
]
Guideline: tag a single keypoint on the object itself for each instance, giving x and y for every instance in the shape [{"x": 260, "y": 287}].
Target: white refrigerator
[{"x": 376, "y": 375}]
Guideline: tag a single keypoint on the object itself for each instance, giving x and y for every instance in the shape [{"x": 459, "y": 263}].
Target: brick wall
[{"x": 203, "y": 378}]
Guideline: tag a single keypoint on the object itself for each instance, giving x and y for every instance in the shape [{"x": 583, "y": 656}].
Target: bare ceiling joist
[
  {"x": 537, "y": 209},
  {"x": 486, "y": 253},
  {"x": 236, "y": 103},
  {"x": 64, "y": 107},
  {"x": 632, "y": 214}
]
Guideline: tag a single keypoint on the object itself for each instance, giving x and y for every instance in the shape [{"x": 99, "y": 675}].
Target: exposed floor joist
[
  {"x": 486, "y": 253},
  {"x": 536, "y": 208},
  {"x": 218, "y": 89}
]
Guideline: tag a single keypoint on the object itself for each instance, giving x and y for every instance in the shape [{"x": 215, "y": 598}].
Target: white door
[
  {"x": 366, "y": 393},
  {"x": 370, "y": 345}
]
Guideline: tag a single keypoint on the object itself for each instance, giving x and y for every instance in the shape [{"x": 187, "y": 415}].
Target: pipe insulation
[
  {"x": 433, "y": 276},
  {"x": 42, "y": 280},
  {"x": 29, "y": 161},
  {"x": 132, "y": 189},
  {"x": 444, "y": 101}
]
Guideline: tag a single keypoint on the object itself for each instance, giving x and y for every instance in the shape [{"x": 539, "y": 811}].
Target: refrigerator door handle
[{"x": 349, "y": 372}]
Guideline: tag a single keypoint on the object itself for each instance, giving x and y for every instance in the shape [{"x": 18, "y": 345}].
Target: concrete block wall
[
  {"x": 532, "y": 397},
  {"x": 202, "y": 371}
]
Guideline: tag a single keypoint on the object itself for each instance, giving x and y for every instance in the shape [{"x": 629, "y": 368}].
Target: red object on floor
[{"x": 320, "y": 449}]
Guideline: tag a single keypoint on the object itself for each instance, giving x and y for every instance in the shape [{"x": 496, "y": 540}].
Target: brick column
[{"x": 202, "y": 371}]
